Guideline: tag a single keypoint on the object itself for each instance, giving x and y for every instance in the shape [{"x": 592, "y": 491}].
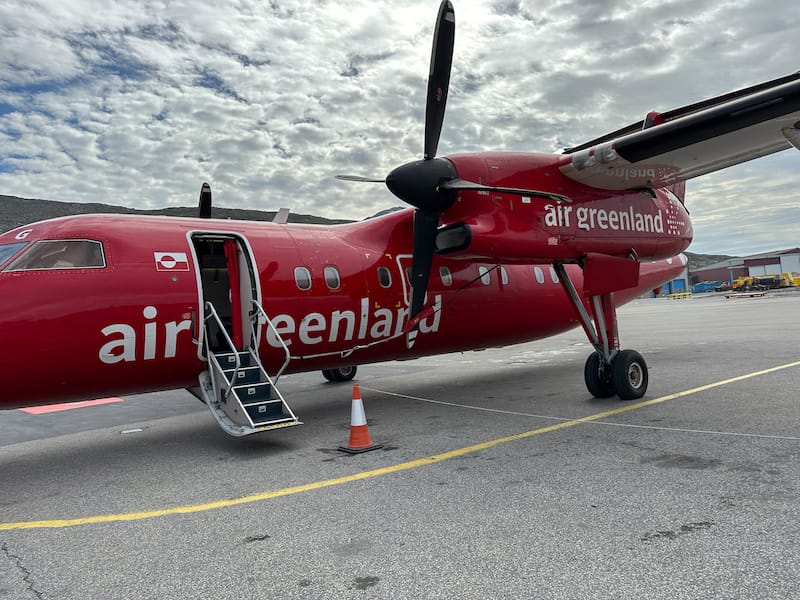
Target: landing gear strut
[{"x": 609, "y": 371}]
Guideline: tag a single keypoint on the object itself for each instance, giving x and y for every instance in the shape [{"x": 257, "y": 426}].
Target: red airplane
[{"x": 500, "y": 248}]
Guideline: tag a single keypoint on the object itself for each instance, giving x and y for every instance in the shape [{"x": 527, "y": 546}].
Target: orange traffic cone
[{"x": 359, "y": 432}]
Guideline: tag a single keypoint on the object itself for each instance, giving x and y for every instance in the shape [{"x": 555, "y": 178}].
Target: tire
[
  {"x": 340, "y": 374},
  {"x": 629, "y": 375},
  {"x": 596, "y": 377}
]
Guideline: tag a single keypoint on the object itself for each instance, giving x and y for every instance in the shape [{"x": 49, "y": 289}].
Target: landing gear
[
  {"x": 625, "y": 377},
  {"x": 608, "y": 370},
  {"x": 629, "y": 375},
  {"x": 597, "y": 377},
  {"x": 340, "y": 374}
]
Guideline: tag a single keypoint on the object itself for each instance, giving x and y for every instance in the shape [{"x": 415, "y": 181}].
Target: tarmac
[{"x": 500, "y": 477}]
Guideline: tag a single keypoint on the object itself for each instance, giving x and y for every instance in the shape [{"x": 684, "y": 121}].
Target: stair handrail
[
  {"x": 260, "y": 311},
  {"x": 212, "y": 312}
]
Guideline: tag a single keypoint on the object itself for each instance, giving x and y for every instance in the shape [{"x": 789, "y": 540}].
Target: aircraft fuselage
[{"x": 336, "y": 295}]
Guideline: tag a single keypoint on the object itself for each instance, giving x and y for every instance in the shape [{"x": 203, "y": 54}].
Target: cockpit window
[
  {"x": 60, "y": 254},
  {"x": 9, "y": 250}
]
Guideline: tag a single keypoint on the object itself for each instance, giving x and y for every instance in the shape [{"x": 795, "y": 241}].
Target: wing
[{"x": 693, "y": 140}]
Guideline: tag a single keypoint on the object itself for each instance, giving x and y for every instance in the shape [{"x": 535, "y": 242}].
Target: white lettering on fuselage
[
  {"x": 123, "y": 347},
  {"x": 348, "y": 325},
  {"x": 125, "y": 344},
  {"x": 590, "y": 218}
]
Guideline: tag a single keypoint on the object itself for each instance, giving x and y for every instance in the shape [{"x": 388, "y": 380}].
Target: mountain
[
  {"x": 16, "y": 211},
  {"x": 698, "y": 261}
]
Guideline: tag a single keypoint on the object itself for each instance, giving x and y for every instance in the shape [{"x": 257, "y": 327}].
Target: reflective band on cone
[{"x": 359, "y": 432}]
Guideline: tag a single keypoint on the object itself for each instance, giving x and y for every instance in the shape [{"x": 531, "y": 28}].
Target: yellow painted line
[{"x": 413, "y": 464}]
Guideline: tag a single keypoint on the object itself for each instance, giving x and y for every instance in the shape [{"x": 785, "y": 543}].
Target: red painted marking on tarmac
[{"x": 40, "y": 410}]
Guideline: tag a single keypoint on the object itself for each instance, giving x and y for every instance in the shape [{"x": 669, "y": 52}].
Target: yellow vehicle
[
  {"x": 766, "y": 282},
  {"x": 790, "y": 279},
  {"x": 746, "y": 283}
]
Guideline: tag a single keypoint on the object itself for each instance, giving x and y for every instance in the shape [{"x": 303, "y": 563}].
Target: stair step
[
  {"x": 257, "y": 392},
  {"x": 228, "y": 360},
  {"x": 266, "y": 412},
  {"x": 244, "y": 375},
  {"x": 287, "y": 422}
]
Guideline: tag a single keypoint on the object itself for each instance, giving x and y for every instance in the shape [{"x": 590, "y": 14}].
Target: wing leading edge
[{"x": 692, "y": 140}]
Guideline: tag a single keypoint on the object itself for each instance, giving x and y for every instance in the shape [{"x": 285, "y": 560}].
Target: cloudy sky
[{"x": 137, "y": 103}]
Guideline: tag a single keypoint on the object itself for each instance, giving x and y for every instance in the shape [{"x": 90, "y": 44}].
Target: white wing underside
[{"x": 725, "y": 131}]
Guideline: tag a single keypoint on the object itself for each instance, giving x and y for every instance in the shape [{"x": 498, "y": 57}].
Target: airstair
[{"x": 236, "y": 388}]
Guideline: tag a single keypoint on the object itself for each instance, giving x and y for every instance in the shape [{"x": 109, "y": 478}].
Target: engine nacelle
[{"x": 488, "y": 243}]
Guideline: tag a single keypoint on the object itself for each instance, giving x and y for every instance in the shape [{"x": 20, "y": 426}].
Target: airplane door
[
  {"x": 232, "y": 260},
  {"x": 227, "y": 280},
  {"x": 404, "y": 271},
  {"x": 404, "y": 265}
]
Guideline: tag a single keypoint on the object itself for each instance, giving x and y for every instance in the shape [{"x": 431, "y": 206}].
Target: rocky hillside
[
  {"x": 20, "y": 211},
  {"x": 698, "y": 261}
]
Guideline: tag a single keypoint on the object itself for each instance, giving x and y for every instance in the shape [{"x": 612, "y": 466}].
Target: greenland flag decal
[{"x": 171, "y": 261}]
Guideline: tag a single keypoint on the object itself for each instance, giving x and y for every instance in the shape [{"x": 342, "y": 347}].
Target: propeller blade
[
  {"x": 439, "y": 77},
  {"x": 419, "y": 183},
  {"x": 425, "y": 225},
  {"x": 358, "y": 178},
  {"x": 461, "y": 184},
  {"x": 204, "y": 206}
]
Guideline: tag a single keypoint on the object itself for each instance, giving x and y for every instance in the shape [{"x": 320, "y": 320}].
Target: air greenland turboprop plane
[{"x": 501, "y": 248}]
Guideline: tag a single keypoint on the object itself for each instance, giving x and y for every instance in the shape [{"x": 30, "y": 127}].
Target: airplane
[{"x": 495, "y": 249}]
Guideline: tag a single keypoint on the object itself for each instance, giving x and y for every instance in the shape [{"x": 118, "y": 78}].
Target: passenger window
[
  {"x": 332, "y": 279},
  {"x": 447, "y": 278},
  {"x": 384, "y": 277},
  {"x": 302, "y": 277},
  {"x": 47, "y": 255},
  {"x": 486, "y": 279},
  {"x": 553, "y": 275},
  {"x": 504, "y": 275},
  {"x": 9, "y": 250},
  {"x": 539, "y": 274}
]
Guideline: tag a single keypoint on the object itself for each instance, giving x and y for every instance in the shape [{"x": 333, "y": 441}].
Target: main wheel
[
  {"x": 340, "y": 374},
  {"x": 596, "y": 376},
  {"x": 629, "y": 375}
]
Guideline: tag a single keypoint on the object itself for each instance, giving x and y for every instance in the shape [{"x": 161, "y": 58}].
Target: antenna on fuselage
[
  {"x": 204, "y": 207},
  {"x": 282, "y": 216}
]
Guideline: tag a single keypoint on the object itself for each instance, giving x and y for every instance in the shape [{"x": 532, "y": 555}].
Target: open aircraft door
[{"x": 228, "y": 286}]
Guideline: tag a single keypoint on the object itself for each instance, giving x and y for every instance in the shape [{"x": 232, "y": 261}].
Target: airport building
[
  {"x": 755, "y": 265},
  {"x": 679, "y": 285}
]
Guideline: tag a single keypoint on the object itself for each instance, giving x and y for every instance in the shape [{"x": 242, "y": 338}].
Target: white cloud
[{"x": 138, "y": 103}]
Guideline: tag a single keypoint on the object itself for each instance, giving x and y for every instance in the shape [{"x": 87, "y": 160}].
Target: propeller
[
  {"x": 431, "y": 184},
  {"x": 439, "y": 76},
  {"x": 358, "y": 178},
  {"x": 418, "y": 183},
  {"x": 204, "y": 206}
]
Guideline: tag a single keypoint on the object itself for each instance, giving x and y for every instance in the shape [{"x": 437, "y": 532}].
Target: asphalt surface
[{"x": 486, "y": 487}]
